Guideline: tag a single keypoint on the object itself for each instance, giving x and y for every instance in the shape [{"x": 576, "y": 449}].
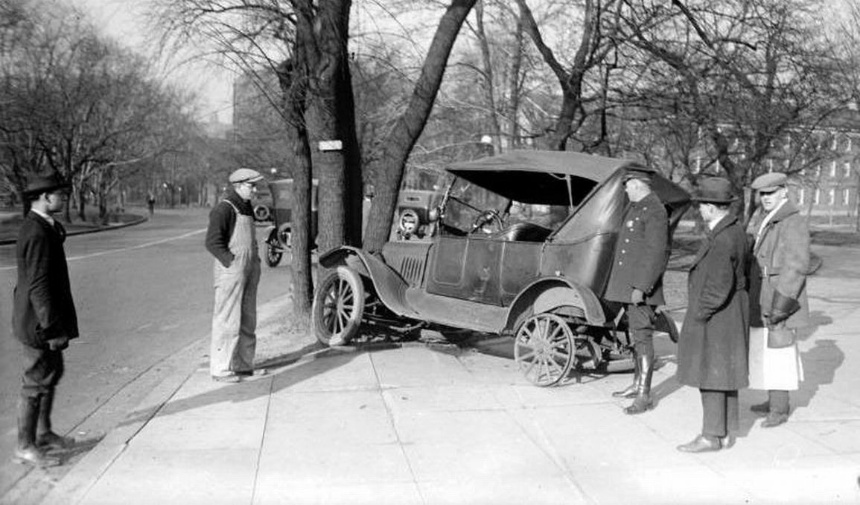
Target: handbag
[{"x": 780, "y": 337}]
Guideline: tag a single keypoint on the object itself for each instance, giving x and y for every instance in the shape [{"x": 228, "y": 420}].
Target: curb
[
  {"x": 75, "y": 485},
  {"x": 138, "y": 220}
]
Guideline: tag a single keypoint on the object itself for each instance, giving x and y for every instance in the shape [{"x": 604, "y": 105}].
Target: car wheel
[
  {"x": 338, "y": 306},
  {"x": 261, "y": 213},
  {"x": 273, "y": 255},
  {"x": 544, "y": 349}
]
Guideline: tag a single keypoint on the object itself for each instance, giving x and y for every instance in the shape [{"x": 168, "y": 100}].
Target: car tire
[
  {"x": 338, "y": 306},
  {"x": 273, "y": 255},
  {"x": 544, "y": 349},
  {"x": 262, "y": 213}
]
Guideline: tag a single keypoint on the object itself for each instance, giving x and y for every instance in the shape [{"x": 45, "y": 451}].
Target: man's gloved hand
[
  {"x": 58, "y": 344},
  {"x": 781, "y": 308},
  {"x": 637, "y": 297}
]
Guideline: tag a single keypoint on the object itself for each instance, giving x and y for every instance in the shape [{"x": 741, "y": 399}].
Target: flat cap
[
  {"x": 633, "y": 173},
  {"x": 769, "y": 182},
  {"x": 45, "y": 183},
  {"x": 245, "y": 175},
  {"x": 714, "y": 190}
]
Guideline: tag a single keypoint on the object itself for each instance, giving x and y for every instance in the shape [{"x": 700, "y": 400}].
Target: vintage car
[
  {"x": 522, "y": 247},
  {"x": 279, "y": 236}
]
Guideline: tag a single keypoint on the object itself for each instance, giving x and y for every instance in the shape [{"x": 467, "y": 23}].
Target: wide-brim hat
[
  {"x": 769, "y": 183},
  {"x": 44, "y": 184},
  {"x": 245, "y": 175},
  {"x": 714, "y": 190}
]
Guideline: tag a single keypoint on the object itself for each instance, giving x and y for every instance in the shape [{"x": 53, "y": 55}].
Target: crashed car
[{"x": 522, "y": 247}]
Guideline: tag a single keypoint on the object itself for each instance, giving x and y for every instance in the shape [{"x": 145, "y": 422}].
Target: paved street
[
  {"x": 428, "y": 424},
  {"x": 142, "y": 293}
]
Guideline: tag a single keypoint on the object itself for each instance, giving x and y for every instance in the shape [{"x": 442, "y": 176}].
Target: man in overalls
[{"x": 232, "y": 240}]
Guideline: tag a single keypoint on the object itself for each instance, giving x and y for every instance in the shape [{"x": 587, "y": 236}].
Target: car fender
[
  {"x": 545, "y": 295},
  {"x": 389, "y": 286}
]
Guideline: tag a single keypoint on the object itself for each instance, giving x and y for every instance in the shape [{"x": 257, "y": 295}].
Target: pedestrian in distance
[
  {"x": 778, "y": 295},
  {"x": 713, "y": 345},
  {"x": 231, "y": 239},
  {"x": 150, "y": 203},
  {"x": 44, "y": 320},
  {"x": 636, "y": 280}
]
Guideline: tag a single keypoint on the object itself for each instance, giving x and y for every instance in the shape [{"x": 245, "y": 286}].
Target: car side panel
[{"x": 520, "y": 266}]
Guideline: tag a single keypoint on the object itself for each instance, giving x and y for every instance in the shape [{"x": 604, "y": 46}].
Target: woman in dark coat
[{"x": 713, "y": 347}]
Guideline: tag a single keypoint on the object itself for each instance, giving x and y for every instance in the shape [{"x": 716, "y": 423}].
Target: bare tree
[{"x": 397, "y": 145}]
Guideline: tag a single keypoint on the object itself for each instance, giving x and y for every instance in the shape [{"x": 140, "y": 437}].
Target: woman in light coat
[{"x": 778, "y": 295}]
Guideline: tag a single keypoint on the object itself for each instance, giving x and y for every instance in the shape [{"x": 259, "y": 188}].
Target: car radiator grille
[{"x": 411, "y": 270}]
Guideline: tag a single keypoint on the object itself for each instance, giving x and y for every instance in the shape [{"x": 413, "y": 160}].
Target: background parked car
[{"x": 279, "y": 236}]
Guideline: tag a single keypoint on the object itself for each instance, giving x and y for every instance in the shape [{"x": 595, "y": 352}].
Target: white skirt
[{"x": 779, "y": 369}]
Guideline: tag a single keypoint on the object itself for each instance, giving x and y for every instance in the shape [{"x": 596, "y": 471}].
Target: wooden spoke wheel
[
  {"x": 338, "y": 306},
  {"x": 544, "y": 349}
]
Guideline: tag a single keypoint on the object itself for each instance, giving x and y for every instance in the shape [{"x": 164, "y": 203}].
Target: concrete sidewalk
[{"x": 435, "y": 424}]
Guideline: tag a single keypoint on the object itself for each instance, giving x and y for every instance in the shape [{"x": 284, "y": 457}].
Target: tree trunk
[
  {"x": 293, "y": 89},
  {"x": 399, "y": 142}
]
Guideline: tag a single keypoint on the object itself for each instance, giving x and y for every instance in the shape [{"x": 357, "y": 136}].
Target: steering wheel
[{"x": 490, "y": 216}]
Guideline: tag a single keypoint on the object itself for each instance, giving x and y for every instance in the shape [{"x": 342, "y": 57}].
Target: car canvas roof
[{"x": 538, "y": 176}]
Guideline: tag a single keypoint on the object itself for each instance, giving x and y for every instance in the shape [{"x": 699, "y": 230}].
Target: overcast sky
[{"x": 122, "y": 20}]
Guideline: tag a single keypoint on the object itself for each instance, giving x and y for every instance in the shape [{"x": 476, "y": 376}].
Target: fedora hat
[
  {"x": 714, "y": 190},
  {"x": 45, "y": 184}
]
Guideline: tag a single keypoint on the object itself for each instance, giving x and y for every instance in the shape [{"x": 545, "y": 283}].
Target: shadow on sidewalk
[
  {"x": 819, "y": 368},
  {"x": 251, "y": 389}
]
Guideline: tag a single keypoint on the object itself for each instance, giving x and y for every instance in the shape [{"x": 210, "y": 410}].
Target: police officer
[
  {"x": 231, "y": 239},
  {"x": 636, "y": 280}
]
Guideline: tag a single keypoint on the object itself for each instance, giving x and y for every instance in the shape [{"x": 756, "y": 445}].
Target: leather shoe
[
  {"x": 53, "y": 442},
  {"x": 761, "y": 408},
  {"x": 774, "y": 420},
  {"x": 229, "y": 379},
  {"x": 701, "y": 444},
  {"x": 727, "y": 441},
  {"x": 34, "y": 456}
]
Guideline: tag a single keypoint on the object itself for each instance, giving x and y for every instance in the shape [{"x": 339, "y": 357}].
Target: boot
[
  {"x": 46, "y": 438},
  {"x": 630, "y": 391},
  {"x": 642, "y": 402},
  {"x": 27, "y": 452}
]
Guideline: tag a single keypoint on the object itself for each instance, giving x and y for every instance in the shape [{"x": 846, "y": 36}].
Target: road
[{"x": 142, "y": 293}]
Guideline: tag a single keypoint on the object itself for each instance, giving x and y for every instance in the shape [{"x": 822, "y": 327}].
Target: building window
[
  {"x": 847, "y": 169},
  {"x": 833, "y": 168},
  {"x": 831, "y": 197},
  {"x": 817, "y": 199},
  {"x": 848, "y": 145},
  {"x": 846, "y": 196},
  {"x": 835, "y": 145},
  {"x": 801, "y": 196}
]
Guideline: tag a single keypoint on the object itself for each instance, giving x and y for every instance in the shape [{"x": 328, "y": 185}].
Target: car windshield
[{"x": 467, "y": 203}]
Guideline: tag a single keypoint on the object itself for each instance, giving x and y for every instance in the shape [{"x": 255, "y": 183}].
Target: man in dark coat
[
  {"x": 712, "y": 348},
  {"x": 44, "y": 319},
  {"x": 636, "y": 280}
]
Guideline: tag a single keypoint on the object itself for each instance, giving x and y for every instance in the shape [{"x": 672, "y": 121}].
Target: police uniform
[{"x": 641, "y": 255}]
